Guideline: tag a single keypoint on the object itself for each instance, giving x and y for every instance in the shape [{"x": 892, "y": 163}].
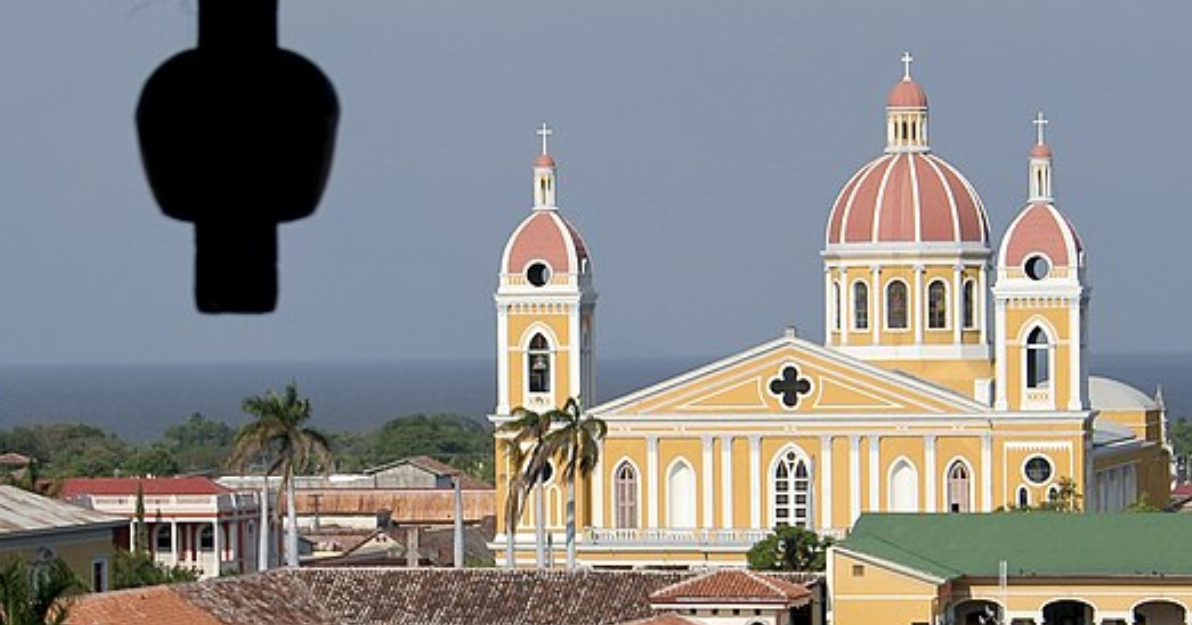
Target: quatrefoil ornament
[{"x": 789, "y": 386}]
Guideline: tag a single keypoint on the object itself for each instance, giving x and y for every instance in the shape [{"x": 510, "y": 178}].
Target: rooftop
[
  {"x": 78, "y": 486},
  {"x": 22, "y": 511},
  {"x": 1034, "y": 544}
]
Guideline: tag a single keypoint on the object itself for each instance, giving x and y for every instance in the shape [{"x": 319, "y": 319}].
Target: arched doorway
[
  {"x": 1160, "y": 612},
  {"x": 904, "y": 487},
  {"x": 680, "y": 500},
  {"x": 976, "y": 612},
  {"x": 1068, "y": 612}
]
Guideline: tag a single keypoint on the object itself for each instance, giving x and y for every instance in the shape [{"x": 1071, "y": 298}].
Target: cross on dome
[
  {"x": 907, "y": 59},
  {"x": 1039, "y": 123},
  {"x": 545, "y": 132}
]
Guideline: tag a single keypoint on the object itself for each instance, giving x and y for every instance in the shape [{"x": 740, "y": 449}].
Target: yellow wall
[
  {"x": 864, "y": 593},
  {"x": 78, "y": 554}
]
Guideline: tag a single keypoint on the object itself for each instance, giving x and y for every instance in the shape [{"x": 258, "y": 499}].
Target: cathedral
[{"x": 952, "y": 378}]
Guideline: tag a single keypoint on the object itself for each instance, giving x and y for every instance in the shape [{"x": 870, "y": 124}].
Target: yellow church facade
[{"x": 952, "y": 378}]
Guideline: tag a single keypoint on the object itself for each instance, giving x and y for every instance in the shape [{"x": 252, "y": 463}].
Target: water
[{"x": 138, "y": 402}]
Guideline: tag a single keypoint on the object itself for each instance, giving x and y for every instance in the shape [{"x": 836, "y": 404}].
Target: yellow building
[
  {"x": 1018, "y": 569},
  {"x": 952, "y": 377}
]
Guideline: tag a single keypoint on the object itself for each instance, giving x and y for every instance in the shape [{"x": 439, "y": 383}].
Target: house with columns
[
  {"x": 192, "y": 522},
  {"x": 952, "y": 376}
]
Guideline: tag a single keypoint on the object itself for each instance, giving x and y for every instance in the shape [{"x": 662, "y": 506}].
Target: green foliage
[
  {"x": 73, "y": 449},
  {"x": 1067, "y": 497},
  {"x": 137, "y": 569},
  {"x": 464, "y": 443},
  {"x": 199, "y": 444},
  {"x": 789, "y": 549},
  {"x": 1180, "y": 432},
  {"x": 153, "y": 460},
  {"x": 36, "y": 594},
  {"x": 1143, "y": 505}
]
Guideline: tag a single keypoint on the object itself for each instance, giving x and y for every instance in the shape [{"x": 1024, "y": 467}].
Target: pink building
[{"x": 192, "y": 521}]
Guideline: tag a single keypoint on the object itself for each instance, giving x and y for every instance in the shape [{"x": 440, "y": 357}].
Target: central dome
[{"x": 908, "y": 197}]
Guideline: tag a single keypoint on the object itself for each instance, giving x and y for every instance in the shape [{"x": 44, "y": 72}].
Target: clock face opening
[{"x": 538, "y": 274}]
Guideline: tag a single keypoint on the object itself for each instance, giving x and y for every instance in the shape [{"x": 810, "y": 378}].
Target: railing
[
  {"x": 175, "y": 503},
  {"x": 674, "y": 537}
]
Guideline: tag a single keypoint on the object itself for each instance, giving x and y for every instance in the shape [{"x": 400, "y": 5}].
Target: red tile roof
[
  {"x": 77, "y": 486},
  {"x": 731, "y": 586},
  {"x": 664, "y": 619},
  {"x": 139, "y": 606}
]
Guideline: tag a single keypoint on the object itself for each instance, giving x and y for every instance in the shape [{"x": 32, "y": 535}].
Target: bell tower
[
  {"x": 545, "y": 305},
  {"x": 1041, "y": 302}
]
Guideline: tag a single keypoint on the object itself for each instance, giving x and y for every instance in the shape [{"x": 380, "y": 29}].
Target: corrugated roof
[
  {"x": 22, "y": 511},
  {"x": 1032, "y": 543},
  {"x": 191, "y": 485}
]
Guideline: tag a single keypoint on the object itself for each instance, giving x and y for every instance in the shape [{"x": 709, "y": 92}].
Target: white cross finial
[
  {"x": 1039, "y": 123},
  {"x": 544, "y": 132},
  {"x": 907, "y": 59}
]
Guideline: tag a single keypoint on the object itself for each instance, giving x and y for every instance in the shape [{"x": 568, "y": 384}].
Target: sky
[{"x": 700, "y": 148}]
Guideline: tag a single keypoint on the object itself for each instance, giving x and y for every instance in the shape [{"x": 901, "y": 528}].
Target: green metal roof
[{"x": 1031, "y": 543}]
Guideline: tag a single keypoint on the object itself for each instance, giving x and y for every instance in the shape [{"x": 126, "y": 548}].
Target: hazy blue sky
[{"x": 700, "y": 151}]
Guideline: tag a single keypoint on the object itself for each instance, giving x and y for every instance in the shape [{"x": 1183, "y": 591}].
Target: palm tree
[
  {"x": 577, "y": 438},
  {"x": 279, "y": 436},
  {"x": 527, "y": 431},
  {"x": 36, "y": 594},
  {"x": 514, "y": 485}
]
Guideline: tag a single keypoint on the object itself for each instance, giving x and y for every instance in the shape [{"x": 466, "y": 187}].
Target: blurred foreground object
[{"x": 237, "y": 136}]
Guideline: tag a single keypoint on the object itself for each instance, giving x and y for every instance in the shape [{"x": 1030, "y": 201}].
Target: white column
[
  {"x": 575, "y": 384},
  {"x": 652, "y": 493},
  {"x": 854, "y": 477},
  {"x": 957, "y": 315},
  {"x": 706, "y": 485},
  {"x": 755, "y": 482},
  {"x": 929, "y": 473},
  {"x": 726, "y": 482},
  {"x": 597, "y": 518},
  {"x": 986, "y": 472},
  {"x": 1000, "y": 350},
  {"x": 215, "y": 532},
  {"x": 917, "y": 302},
  {"x": 846, "y": 306},
  {"x": 174, "y": 541},
  {"x": 829, "y": 305},
  {"x": 1074, "y": 353},
  {"x": 875, "y": 486},
  {"x": 825, "y": 482},
  {"x": 980, "y": 315},
  {"x": 502, "y": 359},
  {"x": 876, "y": 300}
]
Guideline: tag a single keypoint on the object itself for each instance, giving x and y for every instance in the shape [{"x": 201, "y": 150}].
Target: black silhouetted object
[{"x": 237, "y": 136}]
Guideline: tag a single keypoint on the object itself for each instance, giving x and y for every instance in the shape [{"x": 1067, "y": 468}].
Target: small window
[
  {"x": 836, "y": 306},
  {"x": 162, "y": 540},
  {"x": 1024, "y": 497},
  {"x": 99, "y": 575},
  {"x": 896, "y": 305},
  {"x": 970, "y": 304},
  {"x": 1038, "y": 470},
  {"x": 860, "y": 306},
  {"x": 1037, "y": 267},
  {"x": 538, "y": 274},
  {"x": 937, "y": 305},
  {"x": 207, "y": 539},
  {"x": 1038, "y": 359},
  {"x": 858, "y": 570}
]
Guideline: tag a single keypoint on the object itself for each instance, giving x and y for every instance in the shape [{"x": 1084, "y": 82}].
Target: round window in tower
[
  {"x": 1038, "y": 470},
  {"x": 1037, "y": 267},
  {"x": 538, "y": 274}
]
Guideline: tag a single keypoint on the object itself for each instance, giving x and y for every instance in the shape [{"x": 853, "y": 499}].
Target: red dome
[
  {"x": 910, "y": 197},
  {"x": 1041, "y": 150},
  {"x": 1041, "y": 229},
  {"x": 544, "y": 161},
  {"x": 547, "y": 237},
  {"x": 907, "y": 94}
]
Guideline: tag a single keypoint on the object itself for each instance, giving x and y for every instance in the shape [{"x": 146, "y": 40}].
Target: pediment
[{"x": 791, "y": 376}]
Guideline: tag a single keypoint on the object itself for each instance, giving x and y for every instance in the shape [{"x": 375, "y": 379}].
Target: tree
[
  {"x": 515, "y": 458},
  {"x": 36, "y": 594},
  {"x": 135, "y": 569},
  {"x": 1067, "y": 497},
  {"x": 789, "y": 548},
  {"x": 199, "y": 443},
  {"x": 154, "y": 460},
  {"x": 278, "y": 437},
  {"x": 527, "y": 432},
  {"x": 577, "y": 438}
]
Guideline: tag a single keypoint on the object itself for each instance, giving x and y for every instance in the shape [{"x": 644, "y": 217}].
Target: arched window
[
  {"x": 1024, "y": 497},
  {"x": 959, "y": 485},
  {"x": 860, "y": 306},
  {"x": 680, "y": 496},
  {"x": 904, "y": 487},
  {"x": 538, "y": 363},
  {"x": 162, "y": 540},
  {"x": 792, "y": 491},
  {"x": 969, "y": 301},
  {"x": 896, "y": 305},
  {"x": 937, "y": 305},
  {"x": 207, "y": 539},
  {"x": 625, "y": 496},
  {"x": 836, "y": 306},
  {"x": 1038, "y": 359}
]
